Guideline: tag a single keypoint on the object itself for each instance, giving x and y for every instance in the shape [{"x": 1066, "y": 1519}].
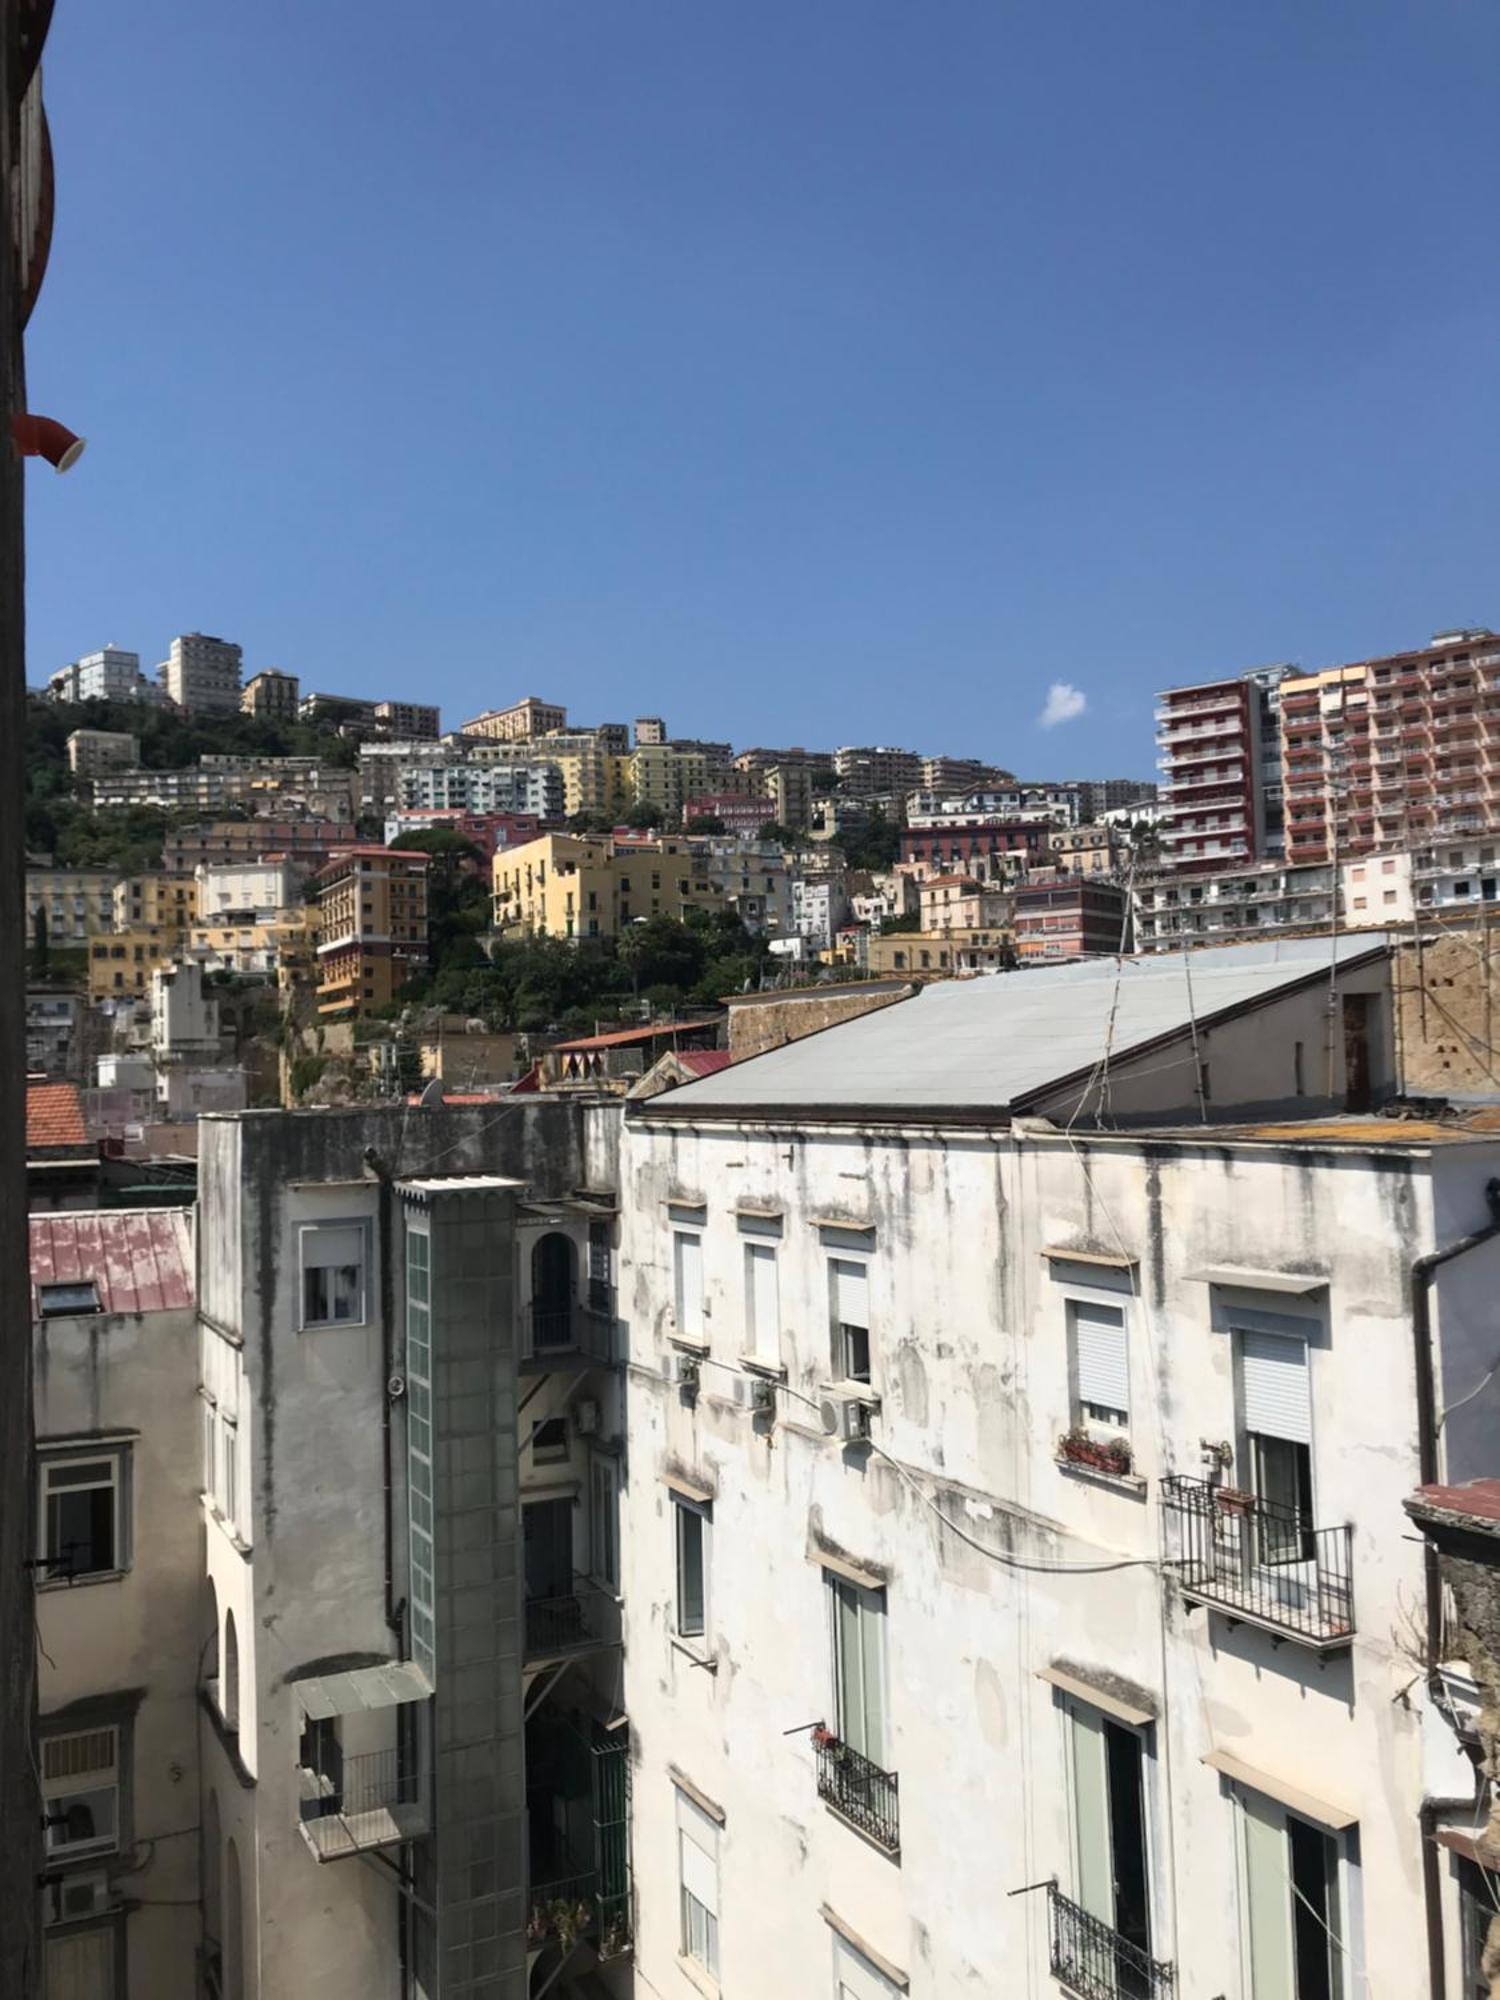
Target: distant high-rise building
[
  {"x": 202, "y": 674},
  {"x": 522, "y": 720},
  {"x": 272, "y": 695},
  {"x": 650, "y": 729},
  {"x": 111, "y": 674},
  {"x": 871, "y": 771},
  {"x": 1220, "y": 785}
]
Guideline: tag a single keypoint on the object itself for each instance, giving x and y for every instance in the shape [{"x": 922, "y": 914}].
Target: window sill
[
  {"x": 699, "y": 1656},
  {"x": 774, "y": 1371},
  {"x": 688, "y": 1346},
  {"x": 49, "y": 1583},
  {"x": 1095, "y": 1475},
  {"x": 698, "y": 1976}
]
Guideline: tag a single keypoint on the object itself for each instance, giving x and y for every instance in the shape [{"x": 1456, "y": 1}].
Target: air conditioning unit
[
  {"x": 754, "y": 1392},
  {"x": 847, "y": 1417},
  {"x": 77, "y": 1896},
  {"x": 683, "y": 1369}
]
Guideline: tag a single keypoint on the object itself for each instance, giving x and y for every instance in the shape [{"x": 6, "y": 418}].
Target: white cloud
[{"x": 1065, "y": 703}]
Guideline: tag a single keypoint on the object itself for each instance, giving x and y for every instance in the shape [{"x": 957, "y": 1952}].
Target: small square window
[
  {"x": 81, "y": 1793},
  {"x": 81, "y": 1514},
  {"x": 549, "y": 1441},
  {"x": 333, "y": 1275}
]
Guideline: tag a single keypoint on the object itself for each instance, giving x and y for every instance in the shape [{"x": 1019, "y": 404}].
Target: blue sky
[{"x": 820, "y": 373}]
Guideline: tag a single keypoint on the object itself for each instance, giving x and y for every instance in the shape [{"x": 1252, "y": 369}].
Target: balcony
[
  {"x": 570, "y": 1333},
  {"x": 859, "y": 1791},
  {"x": 575, "y": 1909},
  {"x": 586, "y": 1620},
  {"x": 356, "y": 1804},
  {"x": 1096, "y": 1962},
  {"x": 1259, "y": 1562}
]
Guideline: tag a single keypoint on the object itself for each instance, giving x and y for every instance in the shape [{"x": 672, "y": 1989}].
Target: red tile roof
[
  {"x": 141, "y": 1259},
  {"x": 703, "y": 1062},
  {"x": 54, "y": 1116}
]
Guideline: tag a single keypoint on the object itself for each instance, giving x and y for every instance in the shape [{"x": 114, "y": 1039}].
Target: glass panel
[
  {"x": 1269, "y": 1921},
  {"x": 690, "y": 1572},
  {"x": 81, "y": 1530}
]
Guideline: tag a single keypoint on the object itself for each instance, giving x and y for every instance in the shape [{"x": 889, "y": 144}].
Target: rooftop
[
  {"x": 999, "y": 1044},
  {"x": 621, "y": 1038},
  {"x": 139, "y": 1259},
  {"x": 54, "y": 1117}
]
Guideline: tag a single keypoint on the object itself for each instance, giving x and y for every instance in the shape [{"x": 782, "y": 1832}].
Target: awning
[
  {"x": 867, "y": 1577},
  {"x": 1296, "y": 1283},
  {"x": 1308, "y": 1804},
  {"x": 1098, "y": 1695},
  {"x": 361, "y": 1688},
  {"x": 690, "y": 1488},
  {"x": 1059, "y": 1253}
]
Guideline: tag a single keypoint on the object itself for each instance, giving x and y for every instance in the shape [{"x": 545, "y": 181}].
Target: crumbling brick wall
[
  {"x": 1448, "y": 1013},
  {"x": 770, "y": 1020}
]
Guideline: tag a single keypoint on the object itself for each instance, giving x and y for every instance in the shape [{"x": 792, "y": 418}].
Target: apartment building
[
  {"x": 988, "y": 846},
  {"x": 915, "y": 1524},
  {"x": 352, "y": 712},
  {"x": 868, "y": 770},
  {"x": 488, "y": 831},
  {"x": 962, "y": 903},
  {"x": 1098, "y": 796},
  {"x": 519, "y": 723},
  {"x": 788, "y": 780},
  {"x": 260, "y": 784},
  {"x": 272, "y": 695},
  {"x": 669, "y": 774},
  {"x": 91, "y": 751},
  {"x": 413, "y": 1738},
  {"x": 946, "y": 776},
  {"x": 743, "y": 813},
  {"x": 121, "y": 962},
  {"x": 410, "y": 720},
  {"x": 1236, "y": 903},
  {"x": 876, "y": 895},
  {"x": 1219, "y": 744},
  {"x": 1450, "y": 878},
  {"x": 1390, "y": 752},
  {"x": 118, "y": 1569},
  {"x": 372, "y": 926},
  {"x": 111, "y": 674},
  {"x": 263, "y": 946},
  {"x": 1058, "y": 804},
  {"x": 1070, "y": 919},
  {"x": 249, "y": 889},
  {"x": 585, "y": 886},
  {"x": 201, "y": 674},
  {"x": 820, "y": 906},
  {"x": 752, "y": 879},
  {"x": 1088, "y": 849},
  {"x": 156, "y": 901},
  {"x": 221, "y": 843},
  {"x": 936, "y": 954},
  {"x": 535, "y": 788},
  {"x": 73, "y": 903},
  {"x": 54, "y": 1030},
  {"x": 650, "y": 729}
]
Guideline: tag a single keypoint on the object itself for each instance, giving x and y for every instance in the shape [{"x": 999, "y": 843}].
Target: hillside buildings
[
  {"x": 272, "y": 695},
  {"x": 111, "y": 674},
  {"x": 584, "y": 886},
  {"x": 519, "y": 723},
  {"x": 201, "y": 674},
  {"x": 1220, "y": 749},
  {"x": 91, "y": 751},
  {"x": 372, "y": 926}
]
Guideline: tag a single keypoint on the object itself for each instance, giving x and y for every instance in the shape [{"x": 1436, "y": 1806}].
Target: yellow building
[
  {"x": 520, "y": 722},
  {"x": 285, "y": 943},
  {"x": 372, "y": 924},
  {"x": 666, "y": 775},
  {"x": 585, "y": 886},
  {"x": 157, "y": 901},
  {"x": 595, "y": 780},
  {"x": 940, "y": 954},
  {"x": 122, "y": 962},
  {"x": 1086, "y": 850}
]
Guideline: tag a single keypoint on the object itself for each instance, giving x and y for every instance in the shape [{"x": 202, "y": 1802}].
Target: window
[
  {"x": 855, "y": 1978},
  {"x": 1477, "y": 1895},
  {"x": 857, "y": 1621},
  {"x": 698, "y": 1874},
  {"x": 1101, "y": 1372},
  {"x": 1276, "y": 1412},
  {"x": 228, "y": 1466},
  {"x": 693, "y": 1532},
  {"x": 687, "y": 1274},
  {"x": 1294, "y": 1922},
  {"x": 81, "y": 1963},
  {"x": 849, "y": 1283},
  {"x": 549, "y": 1441},
  {"x": 57, "y": 1299},
  {"x": 604, "y": 1523},
  {"x": 1110, "y": 1882},
  {"x": 333, "y": 1274},
  {"x": 81, "y": 1793},
  {"x": 82, "y": 1529},
  {"x": 762, "y": 1303}
]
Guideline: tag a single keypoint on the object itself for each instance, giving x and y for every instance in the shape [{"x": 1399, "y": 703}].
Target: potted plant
[
  {"x": 1110, "y": 1455},
  {"x": 823, "y": 1736},
  {"x": 1233, "y": 1500}
]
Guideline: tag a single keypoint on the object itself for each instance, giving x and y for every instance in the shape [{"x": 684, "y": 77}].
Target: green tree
[
  {"x": 706, "y": 823},
  {"x": 644, "y": 815}
]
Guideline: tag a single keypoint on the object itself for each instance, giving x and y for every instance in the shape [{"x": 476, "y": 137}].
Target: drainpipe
[
  {"x": 377, "y": 1166},
  {"x": 1423, "y": 1271}
]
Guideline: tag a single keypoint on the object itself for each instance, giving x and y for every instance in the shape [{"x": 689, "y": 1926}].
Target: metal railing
[
  {"x": 577, "y": 1906},
  {"x": 370, "y": 1800},
  {"x": 865, "y": 1795},
  {"x": 586, "y": 1618},
  {"x": 563, "y": 1333},
  {"x": 1260, "y": 1561},
  {"x": 1096, "y": 1962}
]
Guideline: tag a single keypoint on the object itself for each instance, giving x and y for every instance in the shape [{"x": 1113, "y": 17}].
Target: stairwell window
[
  {"x": 698, "y": 1877},
  {"x": 692, "y": 1527}
]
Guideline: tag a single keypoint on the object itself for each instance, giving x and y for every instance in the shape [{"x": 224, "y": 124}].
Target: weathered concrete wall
[
  {"x": 128, "y": 1645},
  {"x": 767, "y": 1021},
  {"x": 1448, "y": 1014},
  {"x": 972, "y": 1368}
]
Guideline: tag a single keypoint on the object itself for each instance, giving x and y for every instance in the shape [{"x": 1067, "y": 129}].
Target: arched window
[
  {"x": 234, "y": 1927},
  {"x": 230, "y": 1686}
]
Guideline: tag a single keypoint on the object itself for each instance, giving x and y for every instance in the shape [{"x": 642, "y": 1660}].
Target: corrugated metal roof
[
  {"x": 360, "y": 1689},
  {"x": 999, "y": 1041},
  {"x": 140, "y": 1259}
]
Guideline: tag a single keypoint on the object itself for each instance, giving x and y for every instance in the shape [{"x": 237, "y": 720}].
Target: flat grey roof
[{"x": 998, "y": 1041}]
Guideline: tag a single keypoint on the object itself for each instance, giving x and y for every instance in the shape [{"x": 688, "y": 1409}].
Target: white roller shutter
[
  {"x": 688, "y": 1256},
  {"x": 851, "y": 1292},
  {"x": 765, "y": 1311},
  {"x": 1100, "y": 1355},
  {"x": 331, "y": 1249},
  {"x": 1273, "y": 1368},
  {"x": 698, "y": 1841}
]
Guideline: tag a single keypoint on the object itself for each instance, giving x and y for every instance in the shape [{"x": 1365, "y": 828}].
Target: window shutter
[
  {"x": 329, "y": 1249},
  {"x": 688, "y": 1252},
  {"x": 1095, "y": 1870},
  {"x": 851, "y": 1293},
  {"x": 765, "y": 1317},
  {"x": 1100, "y": 1354},
  {"x": 1273, "y": 1369},
  {"x": 1268, "y": 1894},
  {"x": 699, "y": 1843},
  {"x": 68, "y": 1762}
]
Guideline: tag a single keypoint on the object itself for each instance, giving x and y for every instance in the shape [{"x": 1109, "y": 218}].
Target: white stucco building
[{"x": 1017, "y": 1592}]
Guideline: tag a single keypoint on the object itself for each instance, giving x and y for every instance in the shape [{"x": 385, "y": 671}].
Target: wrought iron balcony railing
[
  {"x": 577, "y": 1906},
  {"x": 1096, "y": 1962},
  {"x": 860, "y": 1791},
  {"x": 371, "y": 1800},
  {"x": 583, "y": 1621},
  {"x": 1259, "y": 1561}
]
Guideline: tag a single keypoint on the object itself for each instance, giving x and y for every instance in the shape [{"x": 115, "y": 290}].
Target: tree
[
  {"x": 644, "y": 814},
  {"x": 874, "y": 846},
  {"x": 706, "y": 823},
  {"x": 660, "y": 952}
]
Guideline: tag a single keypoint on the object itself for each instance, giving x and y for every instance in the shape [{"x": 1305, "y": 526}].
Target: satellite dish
[{"x": 432, "y": 1096}]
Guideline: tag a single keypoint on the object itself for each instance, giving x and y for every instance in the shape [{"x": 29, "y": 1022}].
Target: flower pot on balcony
[
  {"x": 1110, "y": 1455},
  {"x": 1233, "y": 1500}
]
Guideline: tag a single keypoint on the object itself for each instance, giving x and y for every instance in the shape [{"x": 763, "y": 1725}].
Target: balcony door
[
  {"x": 552, "y": 1267},
  {"x": 1276, "y": 1415},
  {"x": 547, "y": 1537},
  {"x": 1109, "y": 1842},
  {"x": 1293, "y": 1919}
]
